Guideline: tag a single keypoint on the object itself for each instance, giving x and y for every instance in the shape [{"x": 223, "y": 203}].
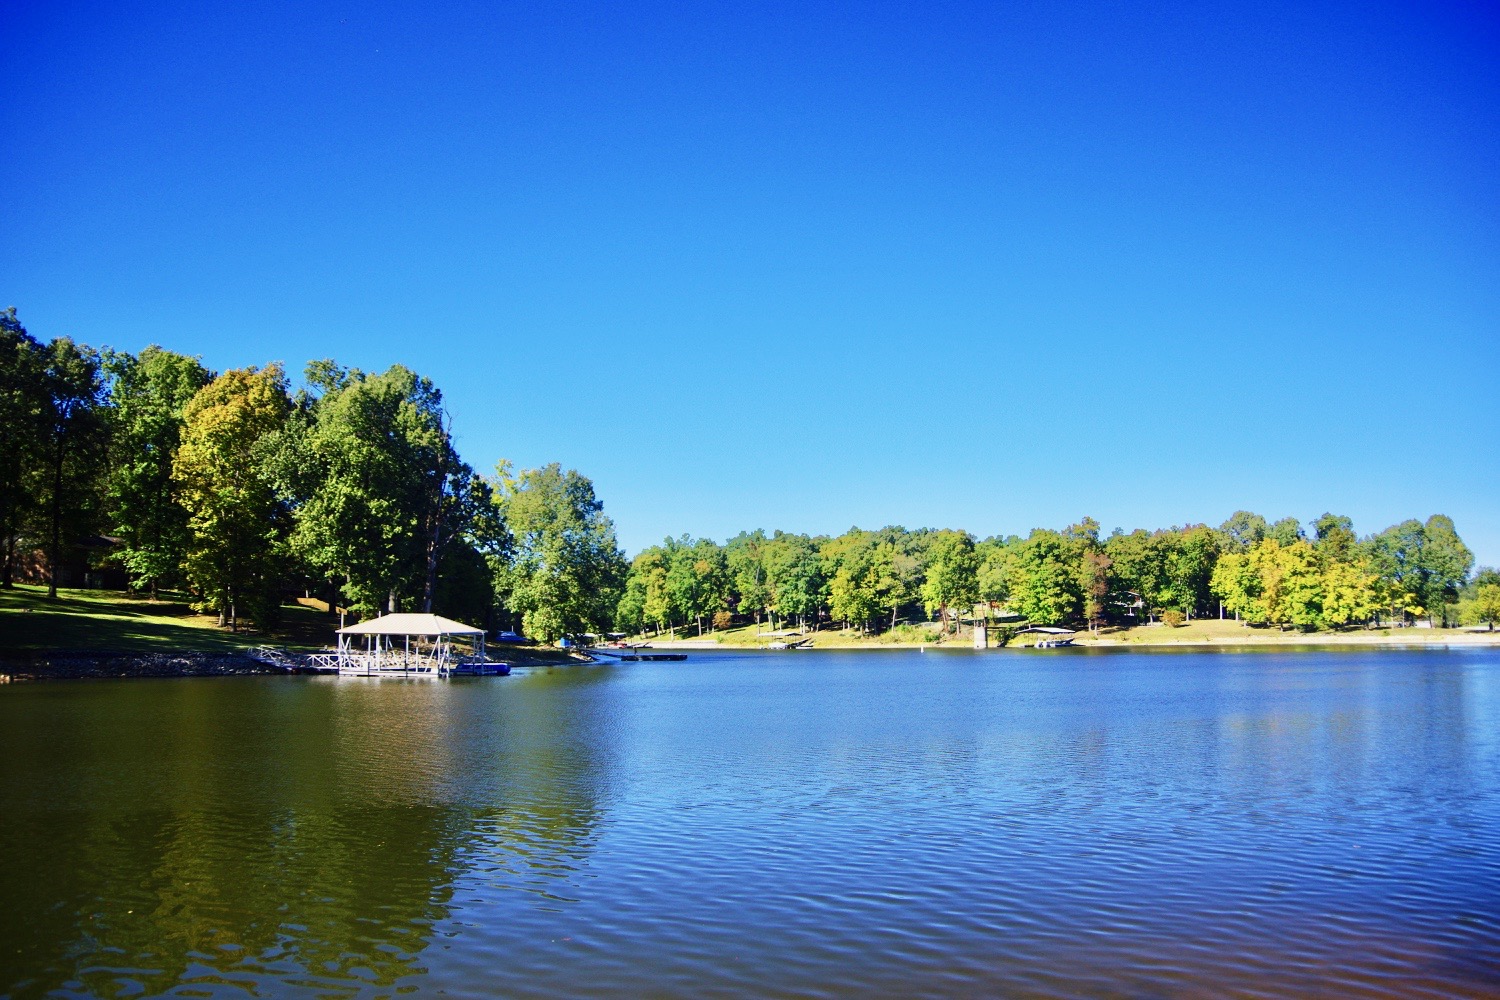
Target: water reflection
[
  {"x": 836, "y": 824},
  {"x": 234, "y": 836}
]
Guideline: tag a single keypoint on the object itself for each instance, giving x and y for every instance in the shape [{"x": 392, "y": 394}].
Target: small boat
[
  {"x": 1052, "y": 637},
  {"x": 479, "y": 668}
]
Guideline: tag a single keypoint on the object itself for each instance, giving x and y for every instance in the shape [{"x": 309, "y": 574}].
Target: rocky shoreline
[{"x": 73, "y": 665}]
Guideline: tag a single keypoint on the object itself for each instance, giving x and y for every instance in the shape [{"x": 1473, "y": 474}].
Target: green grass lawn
[{"x": 112, "y": 620}]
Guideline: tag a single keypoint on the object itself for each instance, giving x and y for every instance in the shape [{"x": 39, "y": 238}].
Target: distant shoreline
[{"x": 1156, "y": 637}]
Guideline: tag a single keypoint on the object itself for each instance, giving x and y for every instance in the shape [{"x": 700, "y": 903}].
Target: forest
[
  {"x": 1323, "y": 576},
  {"x": 245, "y": 491}
]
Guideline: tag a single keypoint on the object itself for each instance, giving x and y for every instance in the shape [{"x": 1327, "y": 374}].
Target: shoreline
[
  {"x": 1424, "y": 638},
  {"x": 31, "y": 665},
  {"x": 21, "y": 666}
]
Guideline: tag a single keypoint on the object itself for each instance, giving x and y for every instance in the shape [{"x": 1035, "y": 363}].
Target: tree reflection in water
[{"x": 264, "y": 834}]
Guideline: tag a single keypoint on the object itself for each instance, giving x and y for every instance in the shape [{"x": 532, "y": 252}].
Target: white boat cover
[{"x": 411, "y": 624}]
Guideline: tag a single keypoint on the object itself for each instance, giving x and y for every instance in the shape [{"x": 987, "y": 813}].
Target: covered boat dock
[{"x": 411, "y": 645}]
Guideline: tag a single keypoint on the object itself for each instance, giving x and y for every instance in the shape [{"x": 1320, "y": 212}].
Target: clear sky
[{"x": 807, "y": 266}]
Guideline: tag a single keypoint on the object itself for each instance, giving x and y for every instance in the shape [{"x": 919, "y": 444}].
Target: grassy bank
[
  {"x": 111, "y": 620},
  {"x": 1204, "y": 632}
]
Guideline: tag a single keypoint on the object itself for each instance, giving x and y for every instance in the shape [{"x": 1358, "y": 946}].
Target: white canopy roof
[{"x": 411, "y": 625}]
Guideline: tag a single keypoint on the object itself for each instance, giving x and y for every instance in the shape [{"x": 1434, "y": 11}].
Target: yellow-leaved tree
[{"x": 237, "y": 522}]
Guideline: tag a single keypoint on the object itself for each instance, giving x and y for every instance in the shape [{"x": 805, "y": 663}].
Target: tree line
[
  {"x": 242, "y": 490},
  {"x": 1283, "y": 574}
]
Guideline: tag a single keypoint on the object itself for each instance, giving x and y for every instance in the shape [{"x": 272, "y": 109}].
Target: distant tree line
[
  {"x": 242, "y": 490},
  {"x": 1273, "y": 574}
]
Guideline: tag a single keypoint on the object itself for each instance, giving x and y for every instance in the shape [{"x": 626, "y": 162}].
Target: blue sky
[{"x": 804, "y": 266}]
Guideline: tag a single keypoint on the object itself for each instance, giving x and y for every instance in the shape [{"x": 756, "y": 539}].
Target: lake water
[{"x": 1043, "y": 824}]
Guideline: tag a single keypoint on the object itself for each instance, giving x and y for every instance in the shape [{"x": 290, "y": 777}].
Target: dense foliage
[
  {"x": 1278, "y": 574},
  {"x": 245, "y": 491}
]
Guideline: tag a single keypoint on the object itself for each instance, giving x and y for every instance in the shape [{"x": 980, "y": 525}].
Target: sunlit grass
[{"x": 112, "y": 620}]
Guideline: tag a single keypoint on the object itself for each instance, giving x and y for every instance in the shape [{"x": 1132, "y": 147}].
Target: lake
[{"x": 811, "y": 824}]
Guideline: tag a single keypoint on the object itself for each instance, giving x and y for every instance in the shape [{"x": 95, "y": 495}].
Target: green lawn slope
[{"x": 111, "y": 620}]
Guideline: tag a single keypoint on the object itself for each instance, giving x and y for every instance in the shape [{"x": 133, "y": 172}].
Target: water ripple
[{"x": 891, "y": 825}]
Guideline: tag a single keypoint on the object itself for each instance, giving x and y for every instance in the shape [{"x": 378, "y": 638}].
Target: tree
[
  {"x": 996, "y": 570},
  {"x": 22, "y": 432},
  {"x": 952, "y": 583},
  {"x": 851, "y": 565},
  {"x": 1238, "y": 585},
  {"x": 1139, "y": 566},
  {"x": 792, "y": 575},
  {"x": 1188, "y": 557},
  {"x": 1286, "y": 532},
  {"x": 1445, "y": 562},
  {"x": 1095, "y": 583},
  {"x": 75, "y": 432},
  {"x": 237, "y": 518},
  {"x": 1348, "y": 592},
  {"x": 148, "y": 398},
  {"x": 1483, "y": 607},
  {"x": 899, "y": 569},
  {"x": 1242, "y": 530},
  {"x": 1272, "y": 584},
  {"x": 1290, "y": 582},
  {"x": 568, "y": 573},
  {"x": 1428, "y": 561},
  {"x": 696, "y": 578},
  {"x": 1335, "y": 537},
  {"x": 1045, "y": 587},
  {"x": 745, "y": 557},
  {"x": 644, "y": 597},
  {"x": 387, "y": 492}
]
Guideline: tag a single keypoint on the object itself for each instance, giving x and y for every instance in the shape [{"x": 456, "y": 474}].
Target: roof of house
[{"x": 411, "y": 624}]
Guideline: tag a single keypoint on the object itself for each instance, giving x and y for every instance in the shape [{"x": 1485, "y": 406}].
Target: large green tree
[
  {"x": 386, "y": 496},
  {"x": 793, "y": 576},
  {"x": 1429, "y": 561},
  {"x": 75, "y": 431},
  {"x": 1045, "y": 588},
  {"x": 1139, "y": 566},
  {"x": 697, "y": 578},
  {"x": 952, "y": 584},
  {"x": 148, "y": 398},
  {"x": 567, "y": 573},
  {"x": 750, "y": 590},
  {"x": 899, "y": 562},
  {"x": 1243, "y": 529},
  {"x": 23, "y": 403},
  {"x": 853, "y": 571}
]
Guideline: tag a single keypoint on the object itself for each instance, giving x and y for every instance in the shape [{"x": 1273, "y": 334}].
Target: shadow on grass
[{"x": 104, "y": 620}]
